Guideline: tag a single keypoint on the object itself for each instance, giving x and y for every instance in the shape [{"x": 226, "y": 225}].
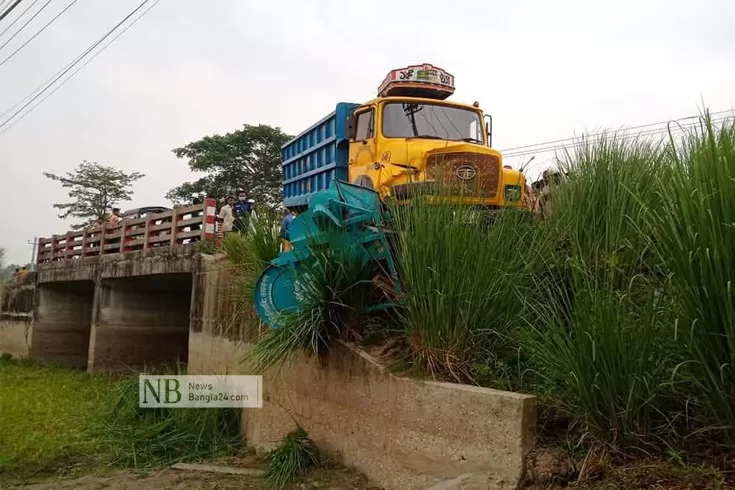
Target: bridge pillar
[
  {"x": 141, "y": 322},
  {"x": 62, "y": 319}
]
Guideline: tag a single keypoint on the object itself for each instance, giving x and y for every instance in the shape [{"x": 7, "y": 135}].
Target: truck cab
[{"x": 407, "y": 140}]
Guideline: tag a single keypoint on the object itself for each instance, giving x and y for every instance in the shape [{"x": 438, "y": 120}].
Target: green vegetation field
[
  {"x": 42, "y": 411},
  {"x": 56, "y": 421}
]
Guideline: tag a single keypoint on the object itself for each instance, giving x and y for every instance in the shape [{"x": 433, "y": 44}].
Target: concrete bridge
[{"x": 112, "y": 298}]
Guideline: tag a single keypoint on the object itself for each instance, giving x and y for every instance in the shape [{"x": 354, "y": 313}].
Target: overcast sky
[{"x": 543, "y": 69}]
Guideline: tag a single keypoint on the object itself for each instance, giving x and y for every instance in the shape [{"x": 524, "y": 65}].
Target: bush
[
  {"x": 139, "y": 437},
  {"x": 600, "y": 331},
  {"x": 605, "y": 361},
  {"x": 694, "y": 230},
  {"x": 296, "y": 456},
  {"x": 336, "y": 288},
  {"x": 461, "y": 281}
]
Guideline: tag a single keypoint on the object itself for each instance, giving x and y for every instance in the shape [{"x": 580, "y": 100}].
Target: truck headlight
[{"x": 512, "y": 193}]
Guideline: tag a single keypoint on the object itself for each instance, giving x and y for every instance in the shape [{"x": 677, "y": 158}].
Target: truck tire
[{"x": 364, "y": 181}]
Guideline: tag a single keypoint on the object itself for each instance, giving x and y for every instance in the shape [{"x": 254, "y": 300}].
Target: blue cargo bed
[{"x": 316, "y": 157}]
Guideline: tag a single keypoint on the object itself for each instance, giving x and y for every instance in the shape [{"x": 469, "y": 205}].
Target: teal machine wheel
[{"x": 344, "y": 215}]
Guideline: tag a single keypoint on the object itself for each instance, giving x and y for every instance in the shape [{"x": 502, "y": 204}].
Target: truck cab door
[{"x": 363, "y": 152}]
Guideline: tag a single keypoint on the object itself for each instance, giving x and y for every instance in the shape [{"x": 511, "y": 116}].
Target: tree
[
  {"x": 94, "y": 189},
  {"x": 248, "y": 159},
  {"x": 2, "y": 257}
]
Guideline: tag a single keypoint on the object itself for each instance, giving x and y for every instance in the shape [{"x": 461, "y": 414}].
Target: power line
[
  {"x": 585, "y": 140},
  {"x": 39, "y": 91},
  {"x": 546, "y": 143},
  {"x": 78, "y": 69},
  {"x": 27, "y": 22},
  {"x": 19, "y": 17},
  {"x": 10, "y": 9},
  {"x": 37, "y": 33},
  {"x": 596, "y": 138}
]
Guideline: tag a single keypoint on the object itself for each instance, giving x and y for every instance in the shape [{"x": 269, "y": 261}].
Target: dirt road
[{"x": 170, "y": 479}]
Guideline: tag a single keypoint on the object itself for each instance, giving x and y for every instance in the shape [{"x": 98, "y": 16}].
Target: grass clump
[
  {"x": 694, "y": 230},
  {"x": 460, "y": 280},
  {"x": 251, "y": 251},
  {"x": 603, "y": 359},
  {"x": 146, "y": 437},
  {"x": 336, "y": 288},
  {"x": 294, "y": 458}
]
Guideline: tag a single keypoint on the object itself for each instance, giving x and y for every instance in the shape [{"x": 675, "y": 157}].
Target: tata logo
[{"x": 466, "y": 172}]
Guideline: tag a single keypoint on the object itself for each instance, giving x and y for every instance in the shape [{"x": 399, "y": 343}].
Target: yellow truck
[{"x": 405, "y": 140}]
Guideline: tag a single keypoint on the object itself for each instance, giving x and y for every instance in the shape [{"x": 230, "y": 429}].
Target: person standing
[
  {"x": 226, "y": 216},
  {"x": 241, "y": 209},
  {"x": 115, "y": 218},
  {"x": 286, "y": 230}
]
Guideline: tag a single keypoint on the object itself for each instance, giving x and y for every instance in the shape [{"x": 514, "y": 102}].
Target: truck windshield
[{"x": 434, "y": 121}]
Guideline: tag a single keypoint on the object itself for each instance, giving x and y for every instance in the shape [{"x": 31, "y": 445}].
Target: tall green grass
[
  {"x": 599, "y": 210},
  {"x": 694, "y": 231},
  {"x": 600, "y": 333},
  {"x": 605, "y": 357},
  {"x": 336, "y": 288},
  {"x": 139, "y": 438},
  {"x": 461, "y": 279},
  {"x": 254, "y": 248},
  {"x": 250, "y": 253}
]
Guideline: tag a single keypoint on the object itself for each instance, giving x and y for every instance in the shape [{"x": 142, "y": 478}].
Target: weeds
[
  {"x": 460, "y": 280},
  {"x": 336, "y": 288},
  {"x": 695, "y": 239},
  {"x": 251, "y": 252},
  {"x": 296, "y": 456},
  {"x": 139, "y": 438}
]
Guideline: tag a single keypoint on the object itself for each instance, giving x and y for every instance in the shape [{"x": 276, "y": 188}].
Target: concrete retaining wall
[
  {"x": 16, "y": 316},
  {"x": 404, "y": 434}
]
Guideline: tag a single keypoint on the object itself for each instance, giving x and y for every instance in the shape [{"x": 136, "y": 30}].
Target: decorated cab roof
[{"x": 423, "y": 80}]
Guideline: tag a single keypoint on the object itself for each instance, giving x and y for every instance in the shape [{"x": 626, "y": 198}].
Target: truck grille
[{"x": 472, "y": 174}]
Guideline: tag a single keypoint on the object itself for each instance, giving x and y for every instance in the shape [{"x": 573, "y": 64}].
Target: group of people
[
  {"x": 20, "y": 274},
  {"x": 114, "y": 219},
  {"x": 235, "y": 215},
  {"x": 538, "y": 196}
]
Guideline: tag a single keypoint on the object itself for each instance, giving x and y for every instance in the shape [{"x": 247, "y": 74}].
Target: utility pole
[{"x": 33, "y": 253}]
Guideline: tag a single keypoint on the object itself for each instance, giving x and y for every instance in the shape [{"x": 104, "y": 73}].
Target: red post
[
  {"x": 68, "y": 244},
  {"x": 174, "y": 226},
  {"x": 41, "y": 246},
  {"x": 53, "y": 247},
  {"x": 210, "y": 211},
  {"x": 124, "y": 228},
  {"x": 103, "y": 228},
  {"x": 147, "y": 235},
  {"x": 84, "y": 243}
]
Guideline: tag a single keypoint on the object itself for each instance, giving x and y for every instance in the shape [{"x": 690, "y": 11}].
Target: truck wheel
[{"x": 364, "y": 181}]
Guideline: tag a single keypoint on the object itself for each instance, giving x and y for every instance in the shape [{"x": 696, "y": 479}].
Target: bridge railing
[{"x": 185, "y": 224}]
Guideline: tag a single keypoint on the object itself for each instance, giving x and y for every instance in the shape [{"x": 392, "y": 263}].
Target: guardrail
[{"x": 184, "y": 224}]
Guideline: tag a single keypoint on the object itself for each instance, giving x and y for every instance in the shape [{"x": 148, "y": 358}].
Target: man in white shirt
[
  {"x": 226, "y": 216},
  {"x": 115, "y": 218}
]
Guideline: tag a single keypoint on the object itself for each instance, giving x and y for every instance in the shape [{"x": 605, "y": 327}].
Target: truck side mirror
[
  {"x": 351, "y": 127},
  {"x": 489, "y": 129}
]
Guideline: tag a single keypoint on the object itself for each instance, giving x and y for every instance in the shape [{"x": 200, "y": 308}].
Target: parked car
[{"x": 144, "y": 211}]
